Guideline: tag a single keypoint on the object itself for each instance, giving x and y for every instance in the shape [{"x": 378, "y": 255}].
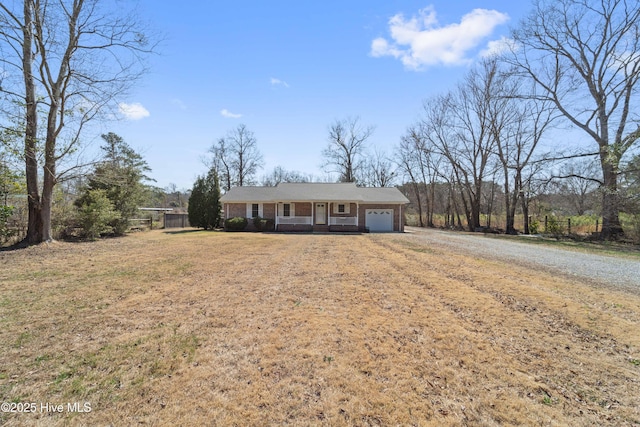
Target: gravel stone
[{"x": 607, "y": 270}]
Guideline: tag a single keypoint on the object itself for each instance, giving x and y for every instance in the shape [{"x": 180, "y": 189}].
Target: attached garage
[{"x": 377, "y": 220}]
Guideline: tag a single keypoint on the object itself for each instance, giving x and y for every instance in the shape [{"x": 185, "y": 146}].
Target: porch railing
[
  {"x": 344, "y": 220},
  {"x": 294, "y": 220}
]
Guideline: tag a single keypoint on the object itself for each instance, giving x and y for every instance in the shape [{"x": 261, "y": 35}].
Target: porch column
[{"x": 328, "y": 214}]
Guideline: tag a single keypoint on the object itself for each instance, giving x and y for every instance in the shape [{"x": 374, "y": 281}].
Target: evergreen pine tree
[
  {"x": 204, "y": 203},
  {"x": 120, "y": 174}
]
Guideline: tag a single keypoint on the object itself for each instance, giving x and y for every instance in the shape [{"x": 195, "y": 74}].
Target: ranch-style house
[{"x": 319, "y": 207}]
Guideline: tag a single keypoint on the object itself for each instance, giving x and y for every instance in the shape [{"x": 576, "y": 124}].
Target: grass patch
[
  {"x": 240, "y": 328},
  {"x": 22, "y": 339}
]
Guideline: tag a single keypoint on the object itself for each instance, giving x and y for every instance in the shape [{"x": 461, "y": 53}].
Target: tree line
[
  {"x": 569, "y": 70},
  {"x": 569, "y": 64}
]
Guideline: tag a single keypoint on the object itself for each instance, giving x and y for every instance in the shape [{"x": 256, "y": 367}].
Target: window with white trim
[
  {"x": 254, "y": 210},
  {"x": 286, "y": 209},
  {"x": 341, "y": 208}
]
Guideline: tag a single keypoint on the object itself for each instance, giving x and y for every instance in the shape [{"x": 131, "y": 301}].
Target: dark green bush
[
  {"x": 237, "y": 223},
  {"x": 96, "y": 213},
  {"x": 263, "y": 224}
]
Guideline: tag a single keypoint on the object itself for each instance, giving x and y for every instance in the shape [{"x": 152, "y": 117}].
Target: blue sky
[{"x": 288, "y": 69}]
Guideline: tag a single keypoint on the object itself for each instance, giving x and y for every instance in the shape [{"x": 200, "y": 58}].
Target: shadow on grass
[
  {"x": 16, "y": 246},
  {"x": 187, "y": 230},
  {"x": 69, "y": 239}
]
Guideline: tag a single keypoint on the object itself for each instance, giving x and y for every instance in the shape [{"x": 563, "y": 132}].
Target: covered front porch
[{"x": 317, "y": 216}]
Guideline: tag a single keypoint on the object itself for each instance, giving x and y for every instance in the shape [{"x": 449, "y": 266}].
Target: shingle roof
[{"x": 319, "y": 192}]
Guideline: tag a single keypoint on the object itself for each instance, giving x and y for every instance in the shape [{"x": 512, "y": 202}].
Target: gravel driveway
[{"x": 603, "y": 269}]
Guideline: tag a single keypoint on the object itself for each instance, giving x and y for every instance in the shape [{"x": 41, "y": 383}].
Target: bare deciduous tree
[
  {"x": 517, "y": 125},
  {"x": 418, "y": 160},
  {"x": 74, "y": 59},
  {"x": 378, "y": 170},
  {"x": 345, "y": 153},
  {"x": 458, "y": 126},
  {"x": 221, "y": 162},
  {"x": 407, "y": 163},
  {"x": 585, "y": 59},
  {"x": 236, "y": 158},
  {"x": 280, "y": 174}
]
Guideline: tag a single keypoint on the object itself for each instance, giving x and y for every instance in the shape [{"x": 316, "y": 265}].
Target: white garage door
[{"x": 379, "y": 219}]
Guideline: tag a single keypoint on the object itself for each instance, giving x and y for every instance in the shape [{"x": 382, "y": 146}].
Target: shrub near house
[
  {"x": 237, "y": 223},
  {"x": 263, "y": 224}
]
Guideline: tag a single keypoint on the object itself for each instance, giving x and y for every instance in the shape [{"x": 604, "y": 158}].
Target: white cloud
[
  {"x": 420, "y": 41},
  {"x": 497, "y": 47},
  {"x": 278, "y": 82},
  {"x": 133, "y": 111},
  {"x": 229, "y": 115}
]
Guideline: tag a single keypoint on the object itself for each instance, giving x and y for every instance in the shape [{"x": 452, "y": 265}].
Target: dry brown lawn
[{"x": 211, "y": 328}]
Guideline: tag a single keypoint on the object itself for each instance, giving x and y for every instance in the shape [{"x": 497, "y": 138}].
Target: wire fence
[{"x": 584, "y": 226}]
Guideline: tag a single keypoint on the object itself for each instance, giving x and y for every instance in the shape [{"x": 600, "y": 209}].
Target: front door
[{"x": 321, "y": 213}]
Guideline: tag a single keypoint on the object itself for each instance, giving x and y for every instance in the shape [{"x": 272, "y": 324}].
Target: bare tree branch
[{"x": 347, "y": 145}]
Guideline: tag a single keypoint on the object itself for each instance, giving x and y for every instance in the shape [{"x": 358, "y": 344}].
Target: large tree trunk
[
  {"x": 513, "y": 196},
  {"x": 34, "y": 227},
  {"x": 475, "y": 216},
  {"x": 525, "y": 213},
  {"x": 50, "y": 156},
  {"x": 510, "y": 228},
  {"x": 611, "y": 227},
  {"x": 476, "y": 206},
  {"x": 467, "y": 210},
  {"x": 416, "y": 188},
  {"x": 432, "y": 189},
  {"x": 47, "y": 200}
]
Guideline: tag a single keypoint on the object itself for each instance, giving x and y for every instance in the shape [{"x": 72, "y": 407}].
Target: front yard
[{"x": 208, "y": 328}]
